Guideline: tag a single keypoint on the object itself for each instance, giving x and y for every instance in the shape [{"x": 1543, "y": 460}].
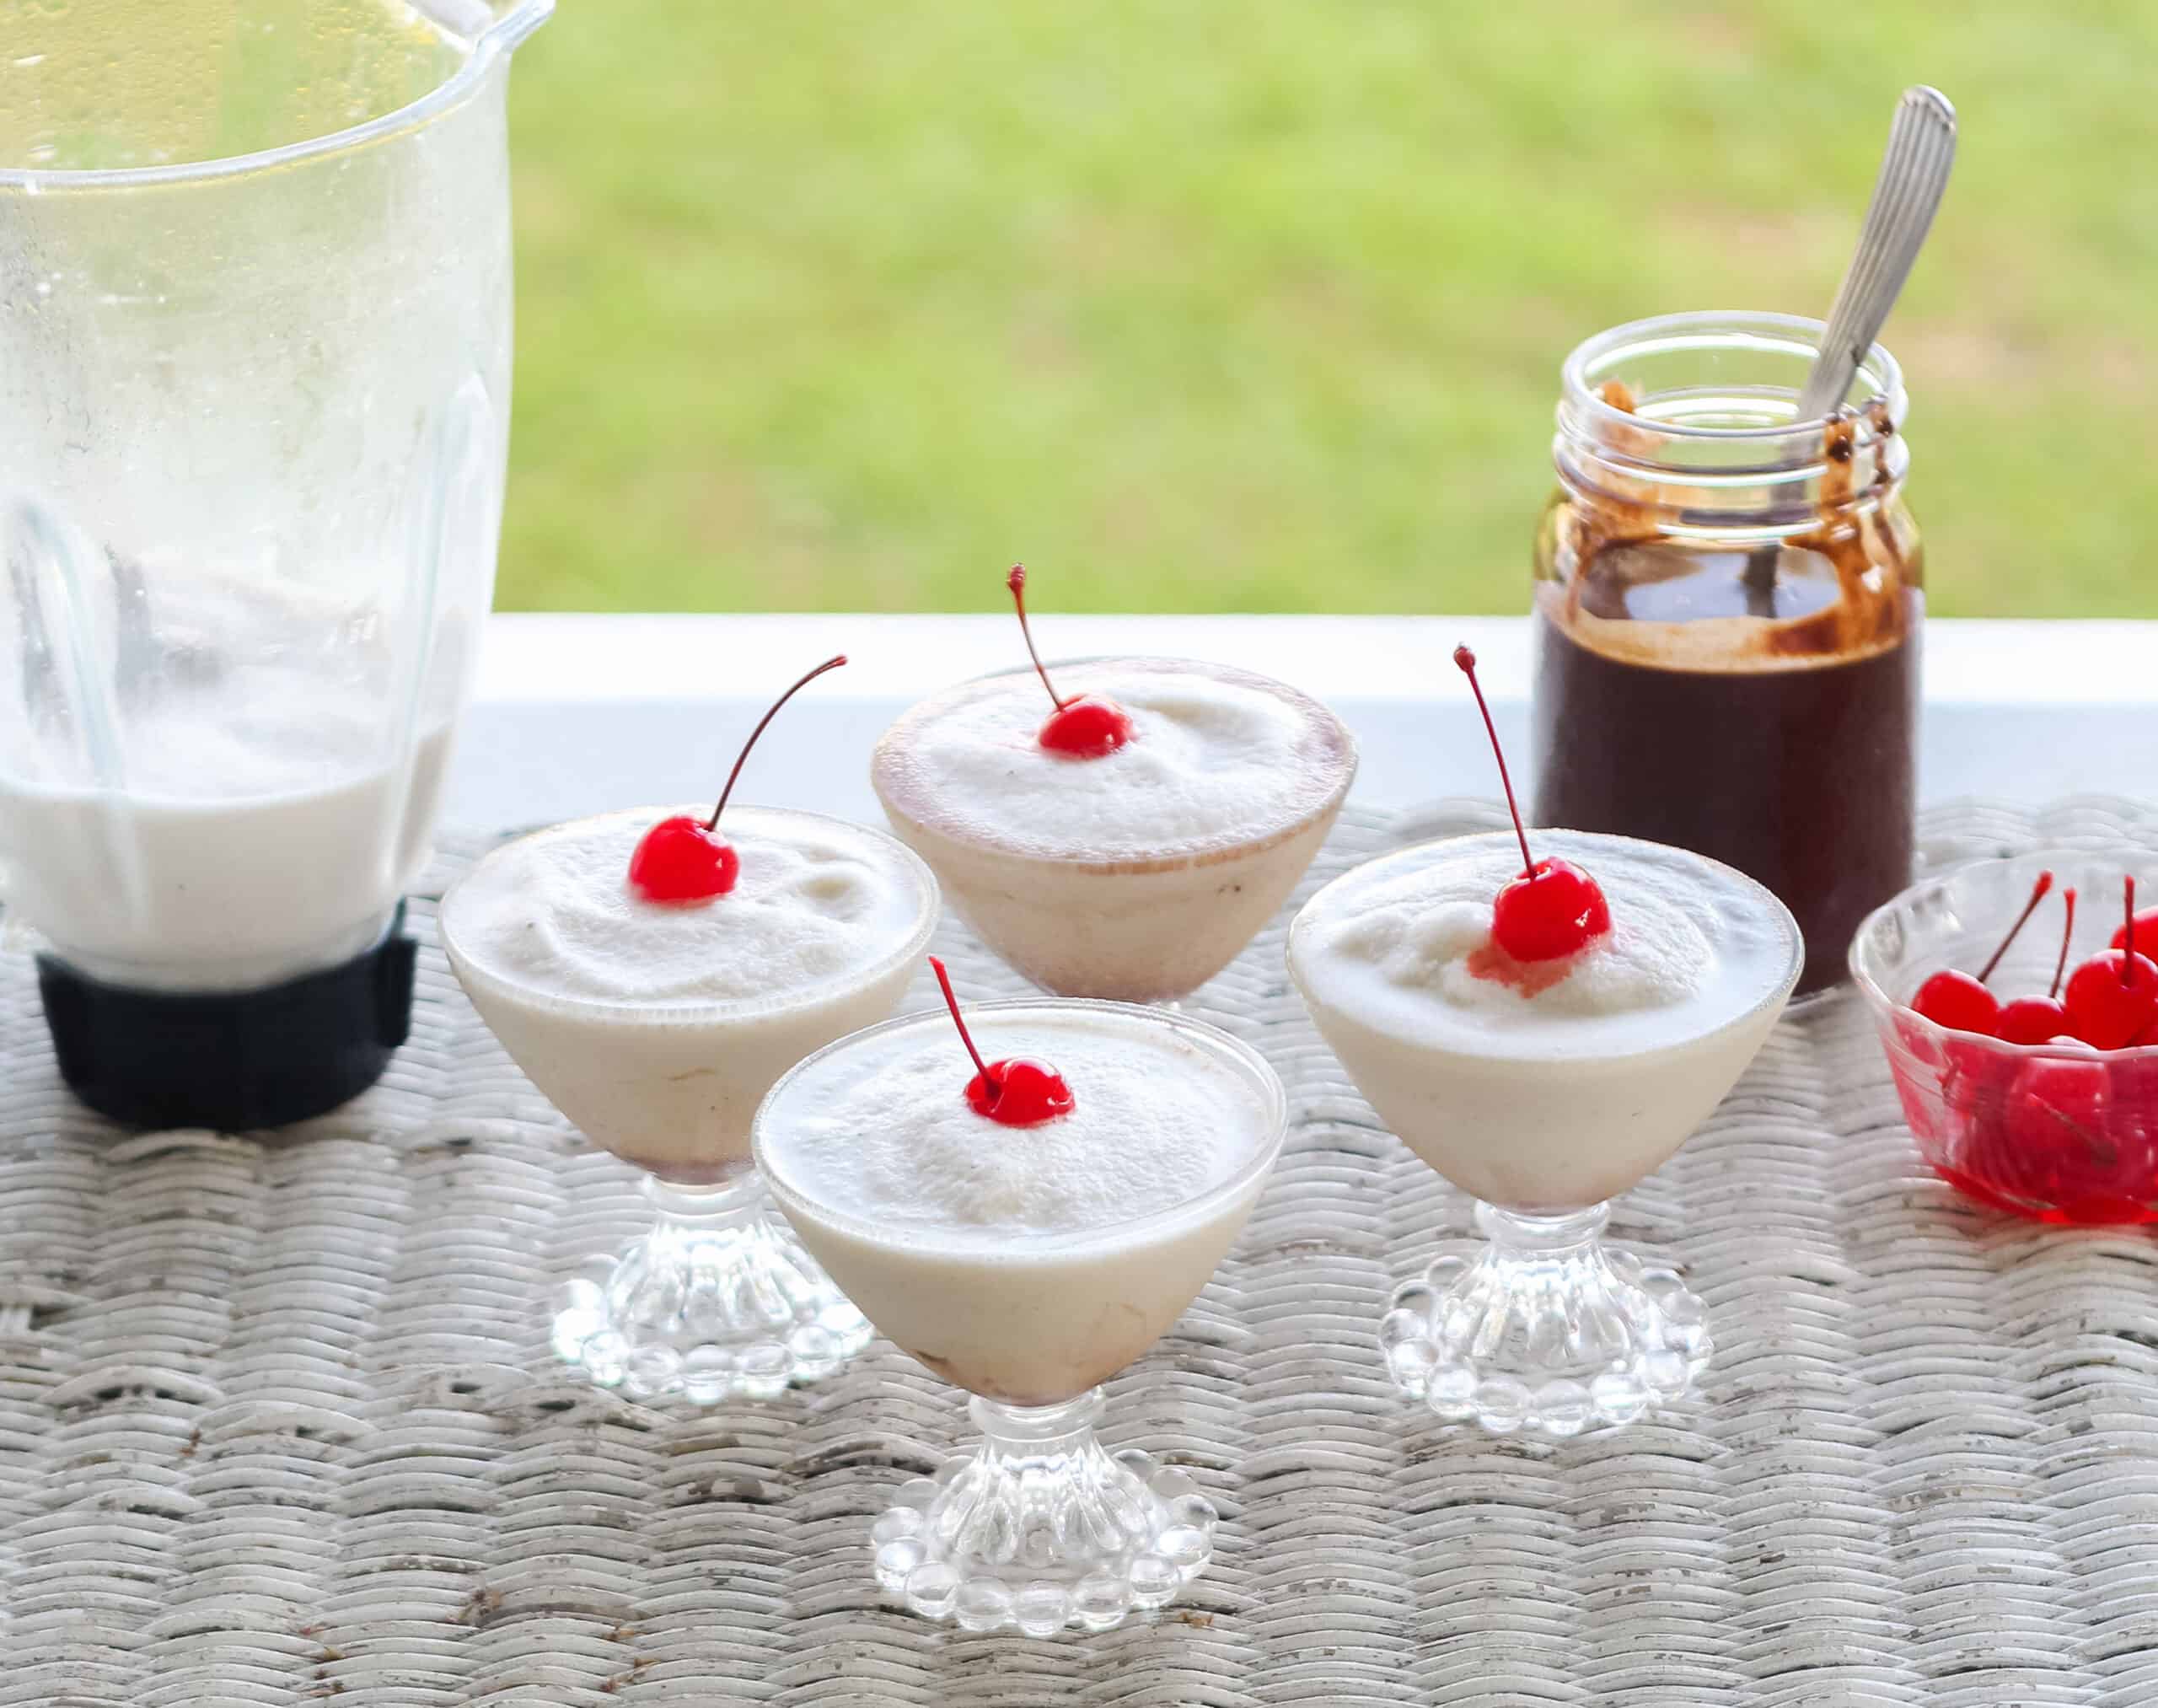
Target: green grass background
[{"x": 1258, "y": 306}]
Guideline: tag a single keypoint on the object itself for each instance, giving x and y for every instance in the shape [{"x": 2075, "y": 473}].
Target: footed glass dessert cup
[
  {"x": 1040, "y": 1526},
  {"x": 718, "y": 1298},
  {"x": 2057, "y": 1131},
  {"x": 1542, "y": 1106}
]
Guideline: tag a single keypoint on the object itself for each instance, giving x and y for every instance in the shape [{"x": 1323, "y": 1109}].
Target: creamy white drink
[
  {"x": 1024, "y": 1264},
  {"x": 1137, "y": 874},
  {"x": 657, "y": 1027},
  {"x": 1028, "y": 1255},
  {"x": 1544, "y": 1043},
  {"x": 1544, "y": 1023},
  {"x": 653, "y": 972},
  {"x": 233, "y": 782},
  {"x": 1543, "y": 1087}
]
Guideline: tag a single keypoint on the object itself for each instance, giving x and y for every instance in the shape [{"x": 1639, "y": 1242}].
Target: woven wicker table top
[{"x": 277, "y": 1423}]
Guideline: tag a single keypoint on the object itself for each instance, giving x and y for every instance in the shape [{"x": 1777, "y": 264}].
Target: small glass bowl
[{"x": 2057, "y": 1132}]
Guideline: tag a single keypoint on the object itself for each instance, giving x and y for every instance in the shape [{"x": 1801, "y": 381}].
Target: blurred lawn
[{"x": 1259, "y": 306}]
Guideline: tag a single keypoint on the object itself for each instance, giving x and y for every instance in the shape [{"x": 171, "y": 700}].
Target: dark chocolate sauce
[{"x": 1801, "y": 778}]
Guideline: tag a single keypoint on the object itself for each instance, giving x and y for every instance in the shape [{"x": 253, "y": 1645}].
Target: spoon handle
[{"x": 1913, "y": 174}]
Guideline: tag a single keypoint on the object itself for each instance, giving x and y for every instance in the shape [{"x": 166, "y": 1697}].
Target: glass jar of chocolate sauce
[{"x": 1728, "y": 607}]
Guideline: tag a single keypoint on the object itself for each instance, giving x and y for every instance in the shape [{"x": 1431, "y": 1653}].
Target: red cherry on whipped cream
[
  {"x": 1962, "y": 1003},
  {"x": 1554, "y": 909},
  {"x": 681, "y": 861},
  {"x": 678, "y": 859},
  {"x": 1081, "y": 727},
  {"x": 1016, "y": 1093},
  {"x": 2112, "y": 997},
  {"x": 2040, "y": 1019}
]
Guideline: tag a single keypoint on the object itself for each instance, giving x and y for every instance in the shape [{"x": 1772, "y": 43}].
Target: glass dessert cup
[
  {"x": 2058, "y": 1133},
  {"x": 1724, "y": 592},
  {"x": 1147, "y": 924},
  {"x": 718, "y": 1298},
  {"x": 1545, "y": 1330},
  {"x": 1040, "y": 1526}
]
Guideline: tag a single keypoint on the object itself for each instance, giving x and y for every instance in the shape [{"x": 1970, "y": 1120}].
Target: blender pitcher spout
[
  {"x": 491, "y": 29},
  {"x": 510, "y": 30}
]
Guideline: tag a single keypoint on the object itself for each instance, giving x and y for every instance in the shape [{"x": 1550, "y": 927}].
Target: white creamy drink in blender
[
  {"x": 1131, "y": 841},
  {"x": 653, "y": 975},
  {"x": 1545, "y": 1030},
  {"x": 275, "y": 821},
  {"x": 1026, "y": 1206}
]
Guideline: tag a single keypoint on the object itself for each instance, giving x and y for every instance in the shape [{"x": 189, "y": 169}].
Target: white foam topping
[
  {"x": 1402, "y": 944},
  {"x": 1218, "y": 757},
  {"x": 881, "y": 1130},
  {"x": 816, "y": 902}
]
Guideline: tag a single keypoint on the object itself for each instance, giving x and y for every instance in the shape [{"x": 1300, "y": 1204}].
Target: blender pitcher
[{"x": 255, "y": 359}]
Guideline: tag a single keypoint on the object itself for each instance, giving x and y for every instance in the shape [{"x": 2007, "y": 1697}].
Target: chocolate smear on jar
[{"x": 1681, "y": 701}]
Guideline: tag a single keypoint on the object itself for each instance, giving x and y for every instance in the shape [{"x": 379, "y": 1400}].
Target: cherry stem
[
  {"x": 833, "y": 663},
  {"x": 1017, "y": 581},
  {"x": 1467, "y": 660},
  {"x": 944, "y": 981},
  {"x": 2038, "y": 895},
  {"x": 2067, "y": 931},
  {"x": 2128, "y": 943}
]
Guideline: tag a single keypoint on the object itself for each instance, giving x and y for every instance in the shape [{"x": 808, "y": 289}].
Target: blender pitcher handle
[
  {"x": 53, "y": 573},
  {"x": 50, "y": 566}
]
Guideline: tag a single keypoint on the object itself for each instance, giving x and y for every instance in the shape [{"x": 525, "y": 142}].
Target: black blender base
[{"x": 230, "y": 1060}]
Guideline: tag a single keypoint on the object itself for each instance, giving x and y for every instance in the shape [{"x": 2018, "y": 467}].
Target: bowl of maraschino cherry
[{"x": 2017, "y": 1000}]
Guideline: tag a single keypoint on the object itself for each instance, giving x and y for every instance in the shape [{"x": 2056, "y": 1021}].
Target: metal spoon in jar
[{"x": 1913, "y": 174}]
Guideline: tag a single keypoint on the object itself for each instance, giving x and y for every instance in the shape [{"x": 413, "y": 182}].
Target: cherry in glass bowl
[{"x": 2057, "y": 1132}]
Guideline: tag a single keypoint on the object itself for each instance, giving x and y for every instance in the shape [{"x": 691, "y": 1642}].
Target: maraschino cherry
[
  {"x": 1016, "y": 1093},
  {"x": 1081, "y": 727},
  {"x": 2040, "y": 1019},
  {"x": 1962, "y": 1003},
  {"x": 2113, "y": 996},
  {"x": 1553, "y": 908},
  {"x": 2146, "y": 928},
  {"x": 2057, "y": 1115},
  {"x": 681, "y": 861}
]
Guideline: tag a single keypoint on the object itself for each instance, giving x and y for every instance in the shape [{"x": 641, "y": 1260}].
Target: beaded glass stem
[
  {"x": 1042, "y": 1526},
  {"x": 1544, "y": 1330},
  {"x": 718, "y": 1299}
]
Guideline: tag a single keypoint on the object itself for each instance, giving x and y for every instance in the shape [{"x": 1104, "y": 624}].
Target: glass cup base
[
  {"x": 1544, "y": 1332},
  {"x": 1041, "y": 1527},
  {"x": 719, "y": 1300}
]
